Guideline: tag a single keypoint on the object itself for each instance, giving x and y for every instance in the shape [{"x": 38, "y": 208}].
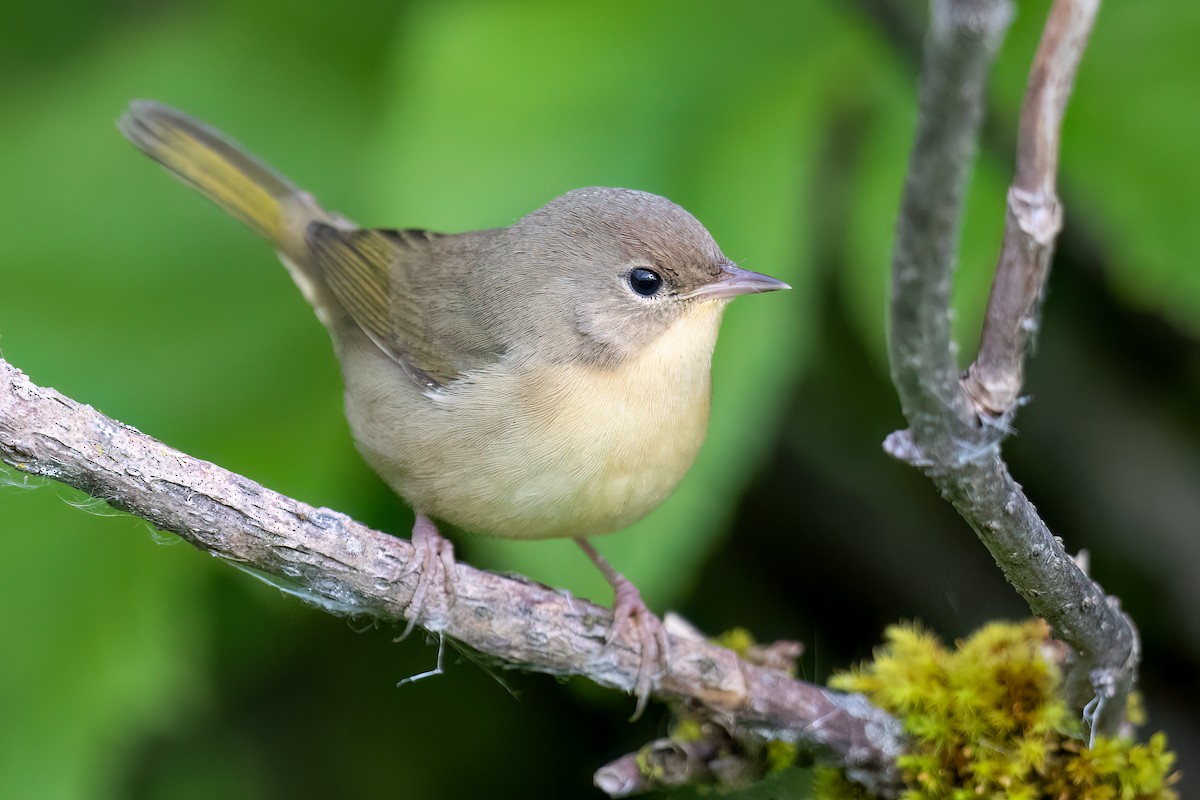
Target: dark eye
[{"x": 645, "y": 282}]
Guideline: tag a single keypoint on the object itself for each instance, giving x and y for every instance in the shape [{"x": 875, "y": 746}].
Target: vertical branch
[
  {"x": 953, "y": 435},
  {"x": 959, "y": 48},
  {"x": 1034, "y": 216}
]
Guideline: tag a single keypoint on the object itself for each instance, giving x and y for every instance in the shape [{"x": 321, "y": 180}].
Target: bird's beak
[{"x": 735, "y": 281}]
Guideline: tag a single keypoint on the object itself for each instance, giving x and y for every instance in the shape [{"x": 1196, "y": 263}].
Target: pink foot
[
  {"x": 430, "y": 548},
  {"x": 630, "y": 609}
]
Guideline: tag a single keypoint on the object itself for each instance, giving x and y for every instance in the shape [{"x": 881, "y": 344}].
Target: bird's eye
[{"x": 645, "y": 282}]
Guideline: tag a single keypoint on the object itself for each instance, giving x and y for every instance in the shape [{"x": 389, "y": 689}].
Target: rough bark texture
[{"x": 349, "y": 569}]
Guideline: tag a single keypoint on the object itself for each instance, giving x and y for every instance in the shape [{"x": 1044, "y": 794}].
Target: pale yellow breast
[{"x": 549, "y": 451}]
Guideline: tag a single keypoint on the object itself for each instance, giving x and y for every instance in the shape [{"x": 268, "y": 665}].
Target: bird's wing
[{"x": 383, "y": 280}]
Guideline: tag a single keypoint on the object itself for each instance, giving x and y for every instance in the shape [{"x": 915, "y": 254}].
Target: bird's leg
[
  {"x": 429, "y": 548},
  {"x": 629, "y": 608}
]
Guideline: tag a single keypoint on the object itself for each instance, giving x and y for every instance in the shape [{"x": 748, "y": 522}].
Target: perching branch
[
  {"x": 956, "y": 425},
  {"x": 349, "y": 569}
]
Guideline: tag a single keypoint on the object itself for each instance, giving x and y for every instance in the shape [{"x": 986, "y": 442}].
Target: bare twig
[
  {"x": 667, "y": 763},
  {"x": 1034, "y": 215},
  {"x": 947, "y": 438},
  {"x": 701, "y": 750},
  {"x": 962, "y": 39},
  {"x": 703, "y": 754},
  {"x": 349, "y": 569}
]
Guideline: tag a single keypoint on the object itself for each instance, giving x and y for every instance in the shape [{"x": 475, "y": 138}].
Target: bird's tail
[{"x": 221, "y": 170}]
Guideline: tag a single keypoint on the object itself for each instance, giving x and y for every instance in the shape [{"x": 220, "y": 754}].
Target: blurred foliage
[{"x": 138, "y": 670}]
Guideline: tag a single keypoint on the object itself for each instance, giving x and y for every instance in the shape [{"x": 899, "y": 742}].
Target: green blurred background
[{"x": 131, "y": 668}]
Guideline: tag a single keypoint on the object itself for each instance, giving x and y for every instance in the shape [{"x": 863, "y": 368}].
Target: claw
[
  {"x": 630, "y": 609},
  {"x": 429, "y": 673},
  {"x": 429, "y": 549}
]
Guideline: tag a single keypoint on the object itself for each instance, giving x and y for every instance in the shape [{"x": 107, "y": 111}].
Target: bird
[{"x": 551, "y": 378}]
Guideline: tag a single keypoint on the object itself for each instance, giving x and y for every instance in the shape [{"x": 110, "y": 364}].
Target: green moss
[
  {"x": 780, "y": 756},
  {"x": 986, "y": 721},
  {"x": 739, "y": 640},
  {"x": 648, "y": 766},
  {"x": 687, "y": 729}
]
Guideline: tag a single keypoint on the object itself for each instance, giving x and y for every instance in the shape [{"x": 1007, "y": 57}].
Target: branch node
[
  {"x": 957, "y": 422},
  {"x": 901, "y": 446},
  {"x": 1038, "y": 214}
]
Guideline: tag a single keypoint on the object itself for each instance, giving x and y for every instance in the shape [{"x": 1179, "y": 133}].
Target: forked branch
[{"x": 955, "y": 426}]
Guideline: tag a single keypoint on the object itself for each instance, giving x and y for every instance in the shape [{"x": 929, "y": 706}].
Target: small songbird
[{"x": 548, "y": 379}]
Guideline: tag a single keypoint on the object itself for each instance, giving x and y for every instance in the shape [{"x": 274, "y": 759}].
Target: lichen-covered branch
[
  {"x": 350, "y": 569},
  {"x": 956, "y": 426}
]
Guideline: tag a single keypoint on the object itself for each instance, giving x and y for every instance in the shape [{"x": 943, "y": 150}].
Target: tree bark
[{"x": 348, "y": 569}]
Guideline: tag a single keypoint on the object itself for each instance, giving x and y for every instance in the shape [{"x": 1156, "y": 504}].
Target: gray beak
[{"x": 735, "y": 281}]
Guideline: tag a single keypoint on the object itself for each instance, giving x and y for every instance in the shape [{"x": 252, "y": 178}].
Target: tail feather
[{"x": 220, "y": 169}]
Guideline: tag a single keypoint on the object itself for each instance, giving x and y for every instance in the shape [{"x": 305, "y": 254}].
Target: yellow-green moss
[
  {"x": 780, "y": 756},
  {"x": 687, "y": 729},
  {"x": 647, "y": 766},
  {"x": 739, "y": 640},
  {"x": 986, "y": 721}
]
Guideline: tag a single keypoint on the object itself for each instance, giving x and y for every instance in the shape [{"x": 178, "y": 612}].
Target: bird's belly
[
  {"x": 606, "y": 460},
  {"x": 552, "y": 453},
  {"x": 569, "y": 454},
  {"x": 540, "y": 452}
]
